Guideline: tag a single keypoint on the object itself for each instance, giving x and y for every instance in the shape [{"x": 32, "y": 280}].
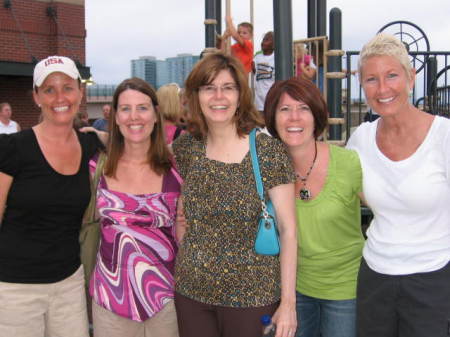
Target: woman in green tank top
[{"x": 328, "y": 210}]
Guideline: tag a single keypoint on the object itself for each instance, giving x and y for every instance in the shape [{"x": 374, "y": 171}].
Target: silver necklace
[{"x": 305, "y": 194}]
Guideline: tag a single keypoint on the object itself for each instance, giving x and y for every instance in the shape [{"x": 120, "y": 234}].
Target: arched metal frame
[
  {"x": 408, "y": 38},
  {"x": 439, "y": 99}
]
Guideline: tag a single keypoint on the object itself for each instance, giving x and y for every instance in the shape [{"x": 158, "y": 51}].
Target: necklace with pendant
[{"x": 305, "y": 194}]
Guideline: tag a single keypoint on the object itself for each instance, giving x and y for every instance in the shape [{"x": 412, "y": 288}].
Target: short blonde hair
[
  {"x": 169, "y": 102},
  {"x": 385, "y": 45}
]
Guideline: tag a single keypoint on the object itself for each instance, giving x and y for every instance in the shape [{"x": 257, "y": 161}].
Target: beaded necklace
[{"x": 305, "y": 194}]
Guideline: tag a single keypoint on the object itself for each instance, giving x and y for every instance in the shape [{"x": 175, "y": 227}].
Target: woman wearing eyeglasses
[{"x": 222, "y": 286}]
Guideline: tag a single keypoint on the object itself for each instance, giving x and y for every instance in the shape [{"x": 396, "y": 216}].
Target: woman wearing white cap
[{"x": 44, "y": 190}]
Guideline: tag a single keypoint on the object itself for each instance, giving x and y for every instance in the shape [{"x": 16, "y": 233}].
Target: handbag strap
[
  {"x": 255, "y": 164},
  {"x": 98, "y": 171}
]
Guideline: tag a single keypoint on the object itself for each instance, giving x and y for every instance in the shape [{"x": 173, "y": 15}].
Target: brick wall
[
  {"x": 17, "y": 91},
  {"x": 45, "y": 38}
]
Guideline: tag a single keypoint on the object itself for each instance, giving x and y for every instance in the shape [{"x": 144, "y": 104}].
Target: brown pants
[{"x": 196, "y": 319}]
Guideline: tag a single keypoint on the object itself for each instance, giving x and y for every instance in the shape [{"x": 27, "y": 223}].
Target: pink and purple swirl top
[{"x": 133, "y": 277}]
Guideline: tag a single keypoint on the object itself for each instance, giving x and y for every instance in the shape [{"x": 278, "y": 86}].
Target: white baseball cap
[{"x": 53, "y": 64}]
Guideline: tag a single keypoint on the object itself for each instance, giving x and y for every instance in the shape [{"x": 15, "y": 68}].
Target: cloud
[{"x": 119, "y": 31}]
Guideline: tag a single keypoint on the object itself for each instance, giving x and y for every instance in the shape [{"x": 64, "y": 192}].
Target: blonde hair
[
  {"x": 300, "y": 49},
  {"x": 385, "y": 45},
  {"x": 169, "y": 102}
]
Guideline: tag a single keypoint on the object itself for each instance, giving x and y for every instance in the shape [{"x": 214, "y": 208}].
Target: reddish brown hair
[{"x": 300, "y": 90}]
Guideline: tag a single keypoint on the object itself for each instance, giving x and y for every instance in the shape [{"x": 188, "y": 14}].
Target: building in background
[
  {"x": 159, "y": 72},
  {"x": 179, "y": 67},
  {"x": 145, "y": 68},
  {"x": 162, "y": 73},
  {"x": 31, "y": 30},
  {"x": 156, "y": 72}
]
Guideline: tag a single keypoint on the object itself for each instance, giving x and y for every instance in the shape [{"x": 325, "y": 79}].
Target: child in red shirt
[{"x": 243, "y": 48}]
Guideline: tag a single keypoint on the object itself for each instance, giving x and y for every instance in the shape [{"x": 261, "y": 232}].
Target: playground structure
[{"x": 341, "y": 90}]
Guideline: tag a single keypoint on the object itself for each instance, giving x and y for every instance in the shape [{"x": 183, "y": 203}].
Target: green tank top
[{"x": 330, "y": 240}]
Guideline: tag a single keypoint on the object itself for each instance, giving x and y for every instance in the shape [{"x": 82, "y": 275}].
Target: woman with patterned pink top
[{"x": 132, "y": 283}]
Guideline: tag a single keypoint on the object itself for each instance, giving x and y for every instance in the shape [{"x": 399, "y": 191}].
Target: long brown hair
[
  {"x": 158, "y": 155},
  {"x": 204, "y": 72}
]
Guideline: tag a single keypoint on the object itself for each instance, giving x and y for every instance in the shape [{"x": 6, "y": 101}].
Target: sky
[{"x": 121, "y": 30}]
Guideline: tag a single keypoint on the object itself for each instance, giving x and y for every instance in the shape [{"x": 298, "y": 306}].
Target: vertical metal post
[
  {"x": 252, "y": 17},
  {"x": 210, "y": 14},
  {"x": 348, "y": 118},
  {"x": 312, "y": 18},
  {"x": 334, "y": 99},
  {"x": 282, "y": 19},
  {"x": 431, "y": 74},
  {"x": 321, "y": 20},
  {"x": 228, "y": 13},
  {"x": 321, "y": 30},
  {"x": 430, "y": 100},
  {"x": 218, "y": 16}
]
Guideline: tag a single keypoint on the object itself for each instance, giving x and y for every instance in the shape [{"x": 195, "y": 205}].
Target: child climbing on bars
[{"x": 243, "y": 48}]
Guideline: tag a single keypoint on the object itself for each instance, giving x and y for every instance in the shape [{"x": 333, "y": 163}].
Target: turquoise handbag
[{"x": 267, "y": 238}]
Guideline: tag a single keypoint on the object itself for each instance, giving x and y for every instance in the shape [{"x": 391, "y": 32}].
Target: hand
[
  {"x": 307, "y": 71},
  {"x": 226, "y": 34},
  {"x": 285, "y": 320}
]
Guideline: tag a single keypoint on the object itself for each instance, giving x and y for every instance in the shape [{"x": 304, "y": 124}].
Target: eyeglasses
[{"x": 211, "y": 89}]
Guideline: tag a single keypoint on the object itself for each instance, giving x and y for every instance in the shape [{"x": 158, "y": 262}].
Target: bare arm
[
  {"x": 102, "y": 135},
  {"x": 283, "y": 199},
  {"x": 362, "y": 198},
  {"x": 222, "y": 41},
  {"x": 180, "y": 222},
  {"x": 231, "y": 29},
  {"x": 18, "y": 127},
  {"x": 5, "y": 185}
]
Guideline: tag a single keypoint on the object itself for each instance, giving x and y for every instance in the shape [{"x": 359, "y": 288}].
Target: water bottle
[{"x": 268, "y": 327}]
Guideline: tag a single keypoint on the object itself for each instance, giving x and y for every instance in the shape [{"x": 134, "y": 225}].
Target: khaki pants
[
  {"x": 108, "y": 324},
  {"x": 50, "y": 310}
]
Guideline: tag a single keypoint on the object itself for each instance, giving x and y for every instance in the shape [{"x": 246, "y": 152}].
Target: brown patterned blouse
[{"x": 216, "y": 262}]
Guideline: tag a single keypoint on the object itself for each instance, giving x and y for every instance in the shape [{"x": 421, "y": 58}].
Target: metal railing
[{"x": 101, "y": 90}]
